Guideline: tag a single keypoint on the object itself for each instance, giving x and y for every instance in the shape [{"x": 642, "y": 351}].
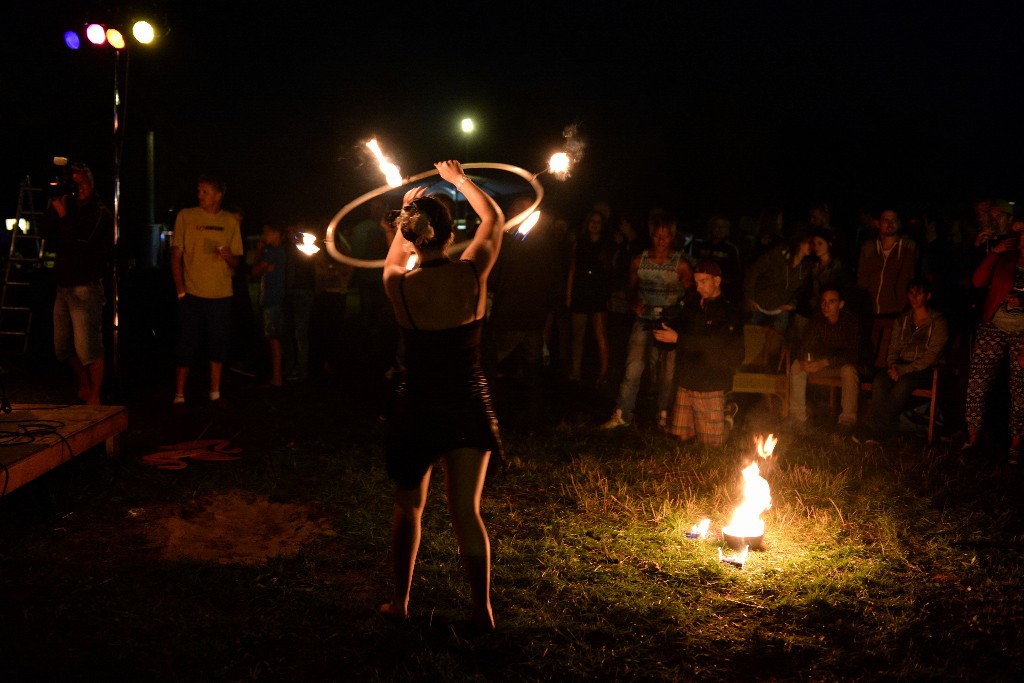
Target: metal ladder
[{"x": 27, "y": 254}]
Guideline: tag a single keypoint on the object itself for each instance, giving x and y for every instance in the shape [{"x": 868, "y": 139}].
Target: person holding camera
[
  {"x": 709, "y": 343},
  {"x": 80, "y": 230},
  {"x": 658, "y": 277},
  {"x": 998, "y": 344},
  {"x": 205, "y": 249}
]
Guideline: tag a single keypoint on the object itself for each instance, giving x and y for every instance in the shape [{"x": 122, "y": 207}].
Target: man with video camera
[{"x": 80, "y": 230}]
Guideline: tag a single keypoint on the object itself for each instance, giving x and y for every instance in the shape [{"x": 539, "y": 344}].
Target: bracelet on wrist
[{"x": 462, "y": 181}]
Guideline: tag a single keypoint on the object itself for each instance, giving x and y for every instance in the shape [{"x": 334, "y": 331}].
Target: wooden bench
[{"x": 756, "y": 374}]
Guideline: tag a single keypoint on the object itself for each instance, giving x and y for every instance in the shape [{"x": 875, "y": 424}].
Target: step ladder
[{"x": 26, "y": 256}]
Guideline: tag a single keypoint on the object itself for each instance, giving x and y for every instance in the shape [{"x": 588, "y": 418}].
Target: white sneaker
[
  {"x": 615, "y": 420},
  {"x": 730, "y": 413}
]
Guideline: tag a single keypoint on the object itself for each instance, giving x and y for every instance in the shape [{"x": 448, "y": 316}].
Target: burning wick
[
  {"x": 559, "y": 163},
  {"x": 699, "y": 531},
  {"x": 307, "y": 247},
  {"x": 735, "y": 560},
  {"x": 390, "y": 171},
  {"x": 746, "y": 519},
  {"x": 526, "y": 226}
]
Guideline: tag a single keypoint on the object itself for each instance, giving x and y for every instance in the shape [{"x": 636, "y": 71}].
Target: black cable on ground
[{"x": 29, "y": 431}]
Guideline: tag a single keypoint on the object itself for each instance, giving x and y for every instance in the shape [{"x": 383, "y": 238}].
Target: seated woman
[
  {"x": 918, "y": 339},
  {"x": 827, "y": 272},
  {"x": 442, "y": 412}
]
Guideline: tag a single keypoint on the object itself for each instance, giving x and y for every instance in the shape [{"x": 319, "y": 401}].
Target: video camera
[
  {"x": 671, "y": 316},
  {"x": 63, "y": 183}
]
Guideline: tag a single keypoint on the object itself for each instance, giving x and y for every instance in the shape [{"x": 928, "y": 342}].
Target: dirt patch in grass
[{"x": 235, "y": 527}]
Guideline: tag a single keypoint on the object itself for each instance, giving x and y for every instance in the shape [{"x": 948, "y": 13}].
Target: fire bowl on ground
[{"x": 740, "y": 542}]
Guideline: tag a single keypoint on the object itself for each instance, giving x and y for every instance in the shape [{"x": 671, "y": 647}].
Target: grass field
[{"x": 894, "y": 564}]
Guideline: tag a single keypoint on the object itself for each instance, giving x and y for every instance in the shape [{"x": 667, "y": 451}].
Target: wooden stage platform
[{"x": 36, "y": 438}]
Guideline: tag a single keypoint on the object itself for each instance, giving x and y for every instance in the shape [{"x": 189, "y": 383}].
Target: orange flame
[
  {"x": 390, "y": 171},
  {"x": 765, "y": 446},
  {"x": 308, "y": 246},
  {"x": 757, "y": 497},
  {"x": 559, "y": 163}
]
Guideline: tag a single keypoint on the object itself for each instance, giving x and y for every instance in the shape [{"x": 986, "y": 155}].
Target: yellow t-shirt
[{"x": 199, "y": 235}]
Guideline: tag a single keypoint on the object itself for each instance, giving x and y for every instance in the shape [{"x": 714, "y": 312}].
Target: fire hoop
[{"x": 457, "y": 248}]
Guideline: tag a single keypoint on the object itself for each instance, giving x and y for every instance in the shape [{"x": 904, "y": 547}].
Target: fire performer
[{"x": 443, "y": 408}]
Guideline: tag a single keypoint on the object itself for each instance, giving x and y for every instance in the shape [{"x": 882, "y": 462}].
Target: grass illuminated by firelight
[{"x": 895, "y": 564}]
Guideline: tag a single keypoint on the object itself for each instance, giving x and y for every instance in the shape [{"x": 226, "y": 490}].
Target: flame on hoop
[
  {"x": 526, "y": 226},
  {"x": 308, "y": 246},
  {"x": 390, "y": 171},
  {"x": 559, "y": 163}
]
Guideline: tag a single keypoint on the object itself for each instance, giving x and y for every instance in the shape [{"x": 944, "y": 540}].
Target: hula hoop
[{"x": 510, "y": 224}]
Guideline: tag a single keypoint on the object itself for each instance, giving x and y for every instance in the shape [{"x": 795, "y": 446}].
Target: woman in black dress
[
  {"x": 443, "y": 409},
  {"x": 587, "y": 292}
]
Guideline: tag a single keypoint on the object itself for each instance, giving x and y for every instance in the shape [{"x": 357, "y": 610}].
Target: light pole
[{"x": 99, "y": 35}]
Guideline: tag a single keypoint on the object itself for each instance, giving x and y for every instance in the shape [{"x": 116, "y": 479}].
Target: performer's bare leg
[
  {"x": 465, "y": 470},
  {"x": 405, "y": 542}
]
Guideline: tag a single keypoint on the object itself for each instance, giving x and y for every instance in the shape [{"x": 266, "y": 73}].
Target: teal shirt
[{"x": 272, "y": 282}]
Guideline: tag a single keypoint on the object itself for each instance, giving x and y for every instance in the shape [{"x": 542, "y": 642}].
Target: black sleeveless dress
[{"x": 443, "y": 402}]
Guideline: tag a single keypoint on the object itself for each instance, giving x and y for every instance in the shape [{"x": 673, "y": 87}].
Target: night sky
[{"x": 702, "y": 107}]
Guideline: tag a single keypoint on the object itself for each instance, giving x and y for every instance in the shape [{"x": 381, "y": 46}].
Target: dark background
[{"x": 698, "y": 106}]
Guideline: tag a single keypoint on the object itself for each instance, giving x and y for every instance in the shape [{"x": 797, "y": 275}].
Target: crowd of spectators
[
  {"x": 881, "y": 298},
  {"x": 606, "y": 306}
]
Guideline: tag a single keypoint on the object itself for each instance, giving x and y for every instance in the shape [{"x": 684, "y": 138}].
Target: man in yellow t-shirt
[{"x": 205, "y": 248}]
